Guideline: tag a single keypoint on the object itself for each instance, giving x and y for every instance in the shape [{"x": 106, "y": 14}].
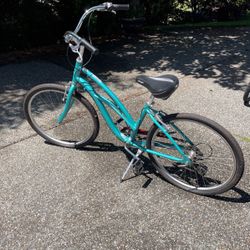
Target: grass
[
  {"x": 243, "y": 138},
  {"x": 245, "y": 22}
]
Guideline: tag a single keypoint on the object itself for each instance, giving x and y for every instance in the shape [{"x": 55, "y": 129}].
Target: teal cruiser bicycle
[{"x": 188, "y": 150}]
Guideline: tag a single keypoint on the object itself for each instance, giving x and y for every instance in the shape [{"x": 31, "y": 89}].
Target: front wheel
[
  {"x": 217, "y": 162},
  {"x": 42, "y": 106}
]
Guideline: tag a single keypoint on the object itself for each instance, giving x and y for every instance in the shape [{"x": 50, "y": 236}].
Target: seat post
[{"x": 151, "y": 100}]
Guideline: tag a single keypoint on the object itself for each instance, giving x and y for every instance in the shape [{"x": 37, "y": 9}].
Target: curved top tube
[{"x": 117, "y": 102}]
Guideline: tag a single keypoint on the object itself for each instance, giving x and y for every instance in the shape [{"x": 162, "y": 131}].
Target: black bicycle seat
[{"x": 161, "y": 86}]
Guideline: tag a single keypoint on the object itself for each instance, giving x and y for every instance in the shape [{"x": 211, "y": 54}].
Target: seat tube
[
  {"x": 139, "y": 122},
  {"x": 144, "y": 112}
]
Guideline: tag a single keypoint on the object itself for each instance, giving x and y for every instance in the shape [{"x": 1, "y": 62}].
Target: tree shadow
[
  {"x": 219, "y": 54},
  {"x": 16, "y": 80}
]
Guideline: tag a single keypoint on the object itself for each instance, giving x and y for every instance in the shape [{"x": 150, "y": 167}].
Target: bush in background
[{"x": 30, "y": 23}]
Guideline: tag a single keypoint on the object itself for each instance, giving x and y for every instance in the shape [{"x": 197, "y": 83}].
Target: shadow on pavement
[
  {"x": 220, "y": 54},
  {"x": 244, "y": 197},
  {"x": 237, "y": 195},
  {"x": 110, "y": 147},
  {"x": 16, "y": 79}
]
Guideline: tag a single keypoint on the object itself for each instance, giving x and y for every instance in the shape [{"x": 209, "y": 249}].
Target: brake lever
[{"x": 75, "y": 47}]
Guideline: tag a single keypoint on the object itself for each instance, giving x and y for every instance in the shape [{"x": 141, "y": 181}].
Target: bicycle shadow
[
  {"x": 239, "y": 196},
  {"x": 244, "y": 196},
  {"x": 110, "y": 147}
]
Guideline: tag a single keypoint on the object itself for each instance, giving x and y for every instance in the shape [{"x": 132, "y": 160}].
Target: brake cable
[{"x": 90, "y": 41}]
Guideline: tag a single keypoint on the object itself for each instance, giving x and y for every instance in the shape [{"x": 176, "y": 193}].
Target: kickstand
[{"x": 133, "y": 162}]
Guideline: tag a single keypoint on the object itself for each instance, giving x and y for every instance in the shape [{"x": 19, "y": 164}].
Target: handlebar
[
  {"x": 120, "y": 7},
  {"x": 73, "y": 38},
  {"x": 107, "y": 6}
]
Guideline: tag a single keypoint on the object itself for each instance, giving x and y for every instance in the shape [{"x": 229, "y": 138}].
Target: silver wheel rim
[
  {"x": 185, "y": 184},
  {"x": 45, "y": 131}
]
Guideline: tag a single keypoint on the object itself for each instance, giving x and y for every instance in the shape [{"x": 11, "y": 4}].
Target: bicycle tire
[
  {"x": 199, "y": 170},
  {"x": 39, "y": 114},
  {"x": 246, "y": 97}
]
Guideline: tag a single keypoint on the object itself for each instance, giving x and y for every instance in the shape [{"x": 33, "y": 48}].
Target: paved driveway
[{"x": 53, "y": 197}]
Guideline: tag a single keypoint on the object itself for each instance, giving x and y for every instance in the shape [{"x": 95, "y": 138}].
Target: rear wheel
[
  {"x": 42, "y": 106},
  {"x": 246, "y": 97},
  {"x": 217, "y": 160}
]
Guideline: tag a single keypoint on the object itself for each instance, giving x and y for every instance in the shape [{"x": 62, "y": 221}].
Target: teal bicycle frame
[{"x": 121, "y": 110}]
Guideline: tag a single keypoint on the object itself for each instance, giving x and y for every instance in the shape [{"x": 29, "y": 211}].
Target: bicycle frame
[{"x": 121, "y": 110}]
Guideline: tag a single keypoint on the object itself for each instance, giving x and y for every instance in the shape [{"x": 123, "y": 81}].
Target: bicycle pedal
[{"x": 138, "y": 168}]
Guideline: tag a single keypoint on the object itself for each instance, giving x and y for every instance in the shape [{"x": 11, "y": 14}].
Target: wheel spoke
[
  {"x": 44, "y": 105},
  {"x": 213, "y": 159}
]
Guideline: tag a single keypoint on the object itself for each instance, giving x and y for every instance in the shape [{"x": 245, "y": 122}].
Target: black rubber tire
[
  {"x": 232, "y": 143},
  {"x": 246, "y": 97},
  {"x": 86, "y": 104}
]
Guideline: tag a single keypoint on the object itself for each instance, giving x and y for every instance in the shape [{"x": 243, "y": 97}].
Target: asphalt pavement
[{"x": 57, "y": 198}]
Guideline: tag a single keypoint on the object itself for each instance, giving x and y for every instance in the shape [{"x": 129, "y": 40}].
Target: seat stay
[{"x": 184, "y": 158}]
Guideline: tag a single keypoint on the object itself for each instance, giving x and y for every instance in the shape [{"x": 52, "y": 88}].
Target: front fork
[{"x": 69, "y": 91}]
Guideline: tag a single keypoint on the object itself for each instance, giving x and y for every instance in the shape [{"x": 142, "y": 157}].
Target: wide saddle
[{"x": 161, "y": 86}]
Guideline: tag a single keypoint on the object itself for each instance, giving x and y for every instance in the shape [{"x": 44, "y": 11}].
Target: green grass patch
[
  {"x": 245, "y": 22},
  {"x": 244, "y": 139}
]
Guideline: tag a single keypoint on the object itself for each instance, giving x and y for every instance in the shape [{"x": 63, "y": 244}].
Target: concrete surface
[{"x": 56, "y": 198}]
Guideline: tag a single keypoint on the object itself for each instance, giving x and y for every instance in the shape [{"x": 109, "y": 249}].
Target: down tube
[
  {"x": 103, "y": 111},
  {"x": 116, "y": 100}
]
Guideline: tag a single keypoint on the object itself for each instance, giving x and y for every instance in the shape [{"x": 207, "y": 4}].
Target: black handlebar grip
[
  {"x": 73, "y": 37},
  {"x": 89, "y": 46},
  {"x": 121, "y": 6}
]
